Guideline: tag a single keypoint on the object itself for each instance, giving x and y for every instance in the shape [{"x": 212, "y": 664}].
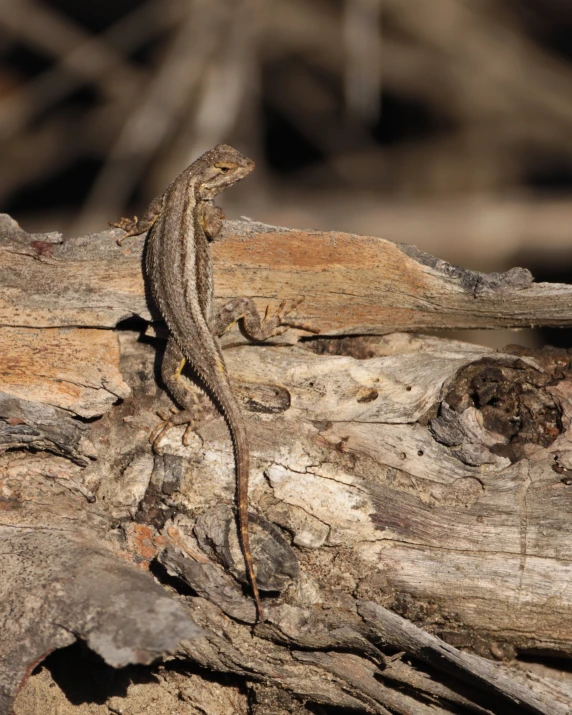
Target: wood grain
[{"x": 351, "y": 284}]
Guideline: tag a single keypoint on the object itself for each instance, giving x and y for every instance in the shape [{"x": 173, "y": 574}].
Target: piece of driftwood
[{"x": 410, "y": 511}]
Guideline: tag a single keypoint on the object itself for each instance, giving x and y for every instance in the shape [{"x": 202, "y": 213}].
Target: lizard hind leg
[{"x": 171, "y": 369}]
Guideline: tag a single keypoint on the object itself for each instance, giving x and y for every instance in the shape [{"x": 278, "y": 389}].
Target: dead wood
[
  {"x": 409, "y": 495},
  {"x": 351, "y": 284}
]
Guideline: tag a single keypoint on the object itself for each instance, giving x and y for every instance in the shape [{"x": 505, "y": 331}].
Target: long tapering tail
[{"x": 237, "y": 428}]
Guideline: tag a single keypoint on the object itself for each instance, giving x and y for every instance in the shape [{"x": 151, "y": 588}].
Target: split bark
[{"x": 409, "y": 495}]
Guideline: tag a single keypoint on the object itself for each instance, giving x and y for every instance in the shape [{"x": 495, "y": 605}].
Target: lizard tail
[
  {"x": 242, "y": 474},
  {"x": 239, "y": 437}
]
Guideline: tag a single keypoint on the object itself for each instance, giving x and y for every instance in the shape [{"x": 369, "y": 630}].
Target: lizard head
[{"x": 221, "y": 167}]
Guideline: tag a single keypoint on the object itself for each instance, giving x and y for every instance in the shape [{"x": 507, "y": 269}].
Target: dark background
[{"x": 443, "y": 123}]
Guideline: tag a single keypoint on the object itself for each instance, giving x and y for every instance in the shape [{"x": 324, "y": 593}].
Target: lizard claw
[
  {"x": 168, "y": 421},
  {"x": 157, "y": 434},
  {"x": 188, "y": 432},
  {"x": 125, "y": 224},
  {"x": 281, "y": 320}
]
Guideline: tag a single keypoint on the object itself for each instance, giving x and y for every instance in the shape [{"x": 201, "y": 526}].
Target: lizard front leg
[
  {"x": 254, "y": 326},
  {"x": 135, "y": 226},
  {"x": 211, "y": 220},
  {"x": 171, "y": 369}
]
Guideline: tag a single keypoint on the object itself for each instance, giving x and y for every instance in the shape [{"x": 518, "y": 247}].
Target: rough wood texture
[
  {"x": 352, "y": 284},
  {"x": 394, "y": 477},
  {"x": 60, "y": 583}
]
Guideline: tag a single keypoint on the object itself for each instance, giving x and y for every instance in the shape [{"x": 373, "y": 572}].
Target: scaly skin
[{"x": 181, "y": 223}]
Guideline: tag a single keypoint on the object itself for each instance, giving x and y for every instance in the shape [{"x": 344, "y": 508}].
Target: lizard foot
[
  {"x": 126, "y": 224},
  {"x": 175, "y": 419},
  {"x": 279, "y": 322}
]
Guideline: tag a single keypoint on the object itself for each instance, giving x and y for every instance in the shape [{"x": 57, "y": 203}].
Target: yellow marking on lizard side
[
  {"x": 221, "y": 367},
  {"x": 179, "y": 370}
]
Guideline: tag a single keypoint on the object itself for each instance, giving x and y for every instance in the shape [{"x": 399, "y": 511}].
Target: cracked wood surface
[
  {"x": 425, "y": 476},
  {"x": 352, "y": 284}
]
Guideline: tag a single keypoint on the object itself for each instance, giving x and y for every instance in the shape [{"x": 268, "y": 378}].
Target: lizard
[{"x": 181, "y": 222}]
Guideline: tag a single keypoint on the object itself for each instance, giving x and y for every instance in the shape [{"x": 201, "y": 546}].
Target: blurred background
[{"x": 442, "y": 123}]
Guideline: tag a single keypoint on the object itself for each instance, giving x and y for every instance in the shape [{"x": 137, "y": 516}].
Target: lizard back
[{"x": 179, "y": 267}]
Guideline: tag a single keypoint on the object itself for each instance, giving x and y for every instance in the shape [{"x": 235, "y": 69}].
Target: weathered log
[
  {"x": 394, "y": 477},
  {"x": 351, "y": 284}
]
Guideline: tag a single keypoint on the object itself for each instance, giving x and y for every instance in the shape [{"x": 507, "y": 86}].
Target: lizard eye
[{"x": 224, "y": 167}]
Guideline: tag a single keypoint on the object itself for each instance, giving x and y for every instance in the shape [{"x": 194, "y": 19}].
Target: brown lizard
[{"x": 181, "y": 223}]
